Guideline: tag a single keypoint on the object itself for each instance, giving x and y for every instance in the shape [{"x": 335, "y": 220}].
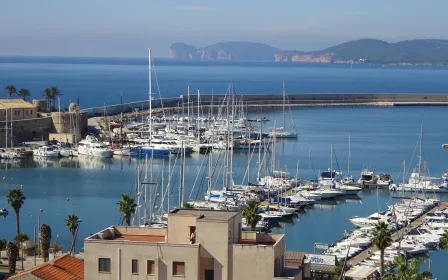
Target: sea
[{"x": 381, "y": 139}]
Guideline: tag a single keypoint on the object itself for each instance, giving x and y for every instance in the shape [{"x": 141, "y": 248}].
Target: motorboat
[
  {"x": 348, "y": 180},
  {"x": 68, "y": 152},
  {"x": 281, "y": 133},
  {"x": 384, "y": 180},
  {"x": 367, "y": 178},
  {"x": 4, "y": 212},
  {"x": 90, "y": 146},
  {"x": 348, "y": 190},
  {"x": 46, "y": 151},
  {"x": 370, "y": 220},
  {"x": 122, "y": 151}
]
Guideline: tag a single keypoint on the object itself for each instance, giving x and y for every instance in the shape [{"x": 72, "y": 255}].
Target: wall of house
[
  {"x": 122, "y": 254},
  {"x": 215, "y": 238},
  {"x": 179, "y": 228},
  {"x": 18, "y": 113},
  {"x": 255, "y": 262}
]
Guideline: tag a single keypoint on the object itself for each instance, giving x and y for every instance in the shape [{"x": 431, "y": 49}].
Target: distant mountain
[
  {"x": 426, "y": 51},
  {"x": 224, "y": 51}
]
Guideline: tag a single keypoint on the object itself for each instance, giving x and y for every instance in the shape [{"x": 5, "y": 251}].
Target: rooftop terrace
[
  {"x": 131, "y": 234},
  {"x": 201, "y": 214}
]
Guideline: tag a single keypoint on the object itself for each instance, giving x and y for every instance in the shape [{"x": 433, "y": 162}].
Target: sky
[{"x": 127, "y": 28}]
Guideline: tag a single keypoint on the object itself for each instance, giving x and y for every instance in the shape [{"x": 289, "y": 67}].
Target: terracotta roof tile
[{"x": 64, "y": 268}]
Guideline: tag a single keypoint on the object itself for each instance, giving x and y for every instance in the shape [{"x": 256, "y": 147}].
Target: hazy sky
[{"x": 126, "y": 28}]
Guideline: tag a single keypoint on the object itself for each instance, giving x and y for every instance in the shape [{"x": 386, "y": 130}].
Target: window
[
  {"x": 178, "y": 269},
  {"x": 103, "y": 265},
  {"x": 150, "y": 267},
  {"x": 134, "y": 266}
]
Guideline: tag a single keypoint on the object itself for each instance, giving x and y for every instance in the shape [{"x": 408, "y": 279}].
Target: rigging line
[
  {"x": 219, "y": 169},
  {"x": 158, "y": 89},
  {"x": 197, "y": 176},
  {"x": 413, "y": 155},
  {"x": 201, "y": 185},
  {"x": 248, "y": 166}
]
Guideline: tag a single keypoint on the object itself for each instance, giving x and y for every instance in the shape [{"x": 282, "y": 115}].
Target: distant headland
[{"x": 410, "y": 52}]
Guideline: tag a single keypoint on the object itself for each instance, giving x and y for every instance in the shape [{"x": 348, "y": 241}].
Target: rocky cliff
[{"x": 224, "y": 51}]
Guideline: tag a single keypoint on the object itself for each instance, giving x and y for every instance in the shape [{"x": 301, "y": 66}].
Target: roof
[
  {"x": 323, "y": 268},
  {"x": 211, "y": 215},
  {"x": 63, "y": 268},
  {"x": 293, "y": 259},
  {"x": 15, "y": 103},
  {"x": 141, "y": 238},
  {"x": 360, "y": 272}
]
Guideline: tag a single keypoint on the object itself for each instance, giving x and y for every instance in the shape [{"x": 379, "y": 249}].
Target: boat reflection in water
[{"x": 91, "y": 162}]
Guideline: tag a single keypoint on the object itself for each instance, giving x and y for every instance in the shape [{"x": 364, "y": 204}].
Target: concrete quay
[
  {"x": 395, "y": 236},
  {"x": 276, "y": 100}
]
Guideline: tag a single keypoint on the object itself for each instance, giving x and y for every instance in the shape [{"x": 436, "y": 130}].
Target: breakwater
[{"x": 275, "y": 100}]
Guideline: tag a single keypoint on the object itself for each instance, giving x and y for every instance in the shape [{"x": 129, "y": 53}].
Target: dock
[{"x": 395, "y": 236}]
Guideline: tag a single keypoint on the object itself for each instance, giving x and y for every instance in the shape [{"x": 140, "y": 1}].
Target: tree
[
  {"x": 15, "y": 199},
  {"x": 55, "y": 92},
  {"x": 19, "y": 239},
  {"x": 72, "y": 222},
  {"x": 250, "y": 214},
  {"x": 48, "y": 96},
  {"x": 12, "y": 251},
  {"x": 188, "y": 205},
  {"x": 45, "y": 240},
  {"x": 444, "y": 241},
  {"x": 407, "y": 270},
  {"x": 3, "y": 243},
  {"x": 24, "y": 93},
  {"x": 10, "y": 90},
  {"x": 127, "y": 206},
  {"x": 381, "y": 239}
]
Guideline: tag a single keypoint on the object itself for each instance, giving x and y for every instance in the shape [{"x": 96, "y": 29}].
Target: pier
[
  {"x": 395, "y": 236},
  {"x": 276, "y": 100}
]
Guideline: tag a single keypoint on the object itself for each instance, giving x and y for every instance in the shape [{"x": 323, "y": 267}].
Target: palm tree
[
  {"x": 250, "y": 214},
  {"x": 15, "y": 199},
  {"x": 24, "y": 93},
  {"x": 19, "y": 240},
  {"x": 381, "y": 239},
  {"x": 3, "y": 243},
  {"x": 127, "y": 206},
  {"x": 12, "y": 251},
  {"x": 444, "y": 241},
  {"x": 10, "y": 90},
  {"x": 55, "y": 92},
  {"x": 48, "y": 96},
  {"x": 72, "y": 222},
  {"x": 45, "y": 240},
  {"x": 407, "y": 270}
]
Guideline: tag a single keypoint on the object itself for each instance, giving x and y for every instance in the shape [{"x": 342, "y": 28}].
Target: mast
[
  {"x": 188, "y": 111},
  {"x": 348, "y": 163},
  {"x": 6, "y": 128},
  {"x": 231, "y": 140},
  {"x": 198, "y": 122},
  {"x": 331, "y": 161},
  {"x": 181, "y": 181},
  {"x": 121, "y": 119},
  {"x": 150, "y": 95},
  {"x": 169, "y": 185},
  {"x": 404, "y": 169},
  {"x": 284, "y": 97}
]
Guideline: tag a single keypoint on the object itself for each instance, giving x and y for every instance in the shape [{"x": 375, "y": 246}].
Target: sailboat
[
  {"x": 348, "y": 180},
  {"x": 280, "y": 132},
  {"x": 149, "y": 149},
  {"x": 418, "y": 181}
]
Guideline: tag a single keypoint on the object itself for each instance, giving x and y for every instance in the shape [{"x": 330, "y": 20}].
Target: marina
[{"x": 296, "y": 161}]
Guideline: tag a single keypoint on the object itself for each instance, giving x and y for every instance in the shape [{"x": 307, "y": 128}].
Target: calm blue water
[
  {"x": 100, "y": 81},
  {"x": 381, "y": 139}
]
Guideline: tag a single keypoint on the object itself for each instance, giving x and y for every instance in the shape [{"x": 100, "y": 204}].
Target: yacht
[
  {"x": 281, "y": 133},
  {"x": 68, "y": 152},
  {"x": 367, "y": 178},
  {"x": 384, "y": 180},
  {"x": 3, "y": 212},
  {"x": 122, "y": 151},
  {"x": 348, "y": 190},
  {"x": 46, "y": 151},
  {"x": 370, "y": 220},
  {"x": 92, "y": 147}
]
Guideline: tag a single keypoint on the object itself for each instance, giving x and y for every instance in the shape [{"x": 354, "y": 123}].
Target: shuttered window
[
  {"x": 103, "y": 265},
  {"x": 178, "y": 268},
  {"x": 134, "y": 266},
  {"x": 150, "y": 269}
]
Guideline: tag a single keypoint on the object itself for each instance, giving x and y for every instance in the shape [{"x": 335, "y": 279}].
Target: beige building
[
  {"x": 17, "y": 109},
  {"x": 198, "y": 244}
]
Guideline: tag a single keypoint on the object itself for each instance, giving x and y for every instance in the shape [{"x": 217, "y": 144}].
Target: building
[
  {"x": 197, "y": 244},
  {"x": 62, "y": 268},
  {"x": 16, "y": 109}
]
